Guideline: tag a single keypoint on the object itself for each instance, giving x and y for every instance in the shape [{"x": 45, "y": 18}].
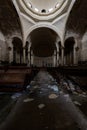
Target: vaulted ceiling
[
  {"x": 77, "y": 21},
  {"x": 9, "y": 20}
]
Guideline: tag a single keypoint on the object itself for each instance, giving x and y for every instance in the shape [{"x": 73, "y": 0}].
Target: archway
[
  {"x": 43, "y": 49},
  {"x": 69, "y": 51},
  {"x": 17, "y": 50}
]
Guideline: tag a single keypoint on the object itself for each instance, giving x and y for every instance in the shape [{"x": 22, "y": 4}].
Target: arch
[
  {"x": 46, "y": 37},
  {"x": 40, "y": 25},
  {"x": 69, "y": 51},
  {"x": 17, "y": 50}
]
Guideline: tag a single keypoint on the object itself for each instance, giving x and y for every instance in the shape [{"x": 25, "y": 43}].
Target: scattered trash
[
  {"x": 71, "y": 85},
  {"x": 28, "y": 86},
  {"x": 35, "y": 87},
  {"x": 82, "y": 95},
  {"x": 64, "y": 83},
  {"x": 67, "y": 98},
  {"x": 77, "y": 103},
  {"x": 53, "y": 87},
  {"x": 16, "y": 95},
  {"x": 53, "y": 96},
  {"x": 75, "y": 93},
  {"x": 41, "y": 106},
  {"x": 32, "y": 83},
  {"x": 28, "y": 100},
  {"x": 66, "y": 95},
  {"x": 61, "y": 92}
]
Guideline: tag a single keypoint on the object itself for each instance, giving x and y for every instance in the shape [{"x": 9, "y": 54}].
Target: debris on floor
[
  {"x": 83, "y": 95},
  {"x": 68, "y": 86},
  {"x": 16, "y": 95},
  {"x": 53, "y": 96},
  {"x": 28, "y": 100},
  {"x": 53, "y": 87},
  {"x": 28, "y": 86},
  {"x": 40, "y": 106},
  {"x": 77, "y": 103}
]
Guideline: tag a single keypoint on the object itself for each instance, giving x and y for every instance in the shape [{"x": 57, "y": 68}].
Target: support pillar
[
  {"x": 57, "y": 58},
  {"x": 32, "y": 58},
  {"x": 10, "y": 54},
  {"x": 62, "y": 56},
  {"x": 0, "y": 54},
  {"x": 29, "y": 58},
  {"x": 75, "y": 55},
  {"x": 24, "y": 56},
  {"x": 54, "y": 58}
]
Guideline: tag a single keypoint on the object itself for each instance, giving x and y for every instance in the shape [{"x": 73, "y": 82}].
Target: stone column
[
  {"x": 74, "y": 55},
  {"x": 57, "y": 54},
  {"x": 54, "y": 58},
  {"x": 0, "y": 53},
  {"x": 24, "y": 56},
  {"x": 29, "y": 54},
  {"x": 10, "y": 54},
  {"x": 62, "y": 56},
  {"x": 29, "y": 58},
  {"x": 57, "y": 58},
  {"x": 32, "y": 58}
]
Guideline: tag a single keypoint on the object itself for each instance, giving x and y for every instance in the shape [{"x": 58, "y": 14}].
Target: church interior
[{"x": 43, "y": 64}]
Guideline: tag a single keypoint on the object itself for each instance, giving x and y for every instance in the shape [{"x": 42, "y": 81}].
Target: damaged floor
[{"x": 46, "y": 105}]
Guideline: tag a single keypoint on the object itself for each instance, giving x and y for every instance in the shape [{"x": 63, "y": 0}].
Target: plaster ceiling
[
  {"x": 9, "y": 20},
  {"x": 77, "y": 21},
  {"x": 43, "y": 6}
]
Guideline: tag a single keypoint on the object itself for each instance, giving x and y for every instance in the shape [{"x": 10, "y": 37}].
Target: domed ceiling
[
  {"x": 9, "y": 20},
  {"x": 43, "y": 7}
]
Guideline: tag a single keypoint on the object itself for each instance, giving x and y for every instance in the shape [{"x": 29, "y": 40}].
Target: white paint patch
[
  {"x": 53, "y": 96},
  {"x": 53, "y": 87},
  {"x": 41, "y": 106},
  {"x": 28, "y": 100}
]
